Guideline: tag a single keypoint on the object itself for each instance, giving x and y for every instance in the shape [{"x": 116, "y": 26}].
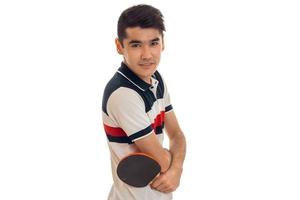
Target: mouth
[{"x": 146, "y": 64}]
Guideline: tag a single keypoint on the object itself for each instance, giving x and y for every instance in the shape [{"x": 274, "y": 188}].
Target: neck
[{"x": 147, "y": 80}]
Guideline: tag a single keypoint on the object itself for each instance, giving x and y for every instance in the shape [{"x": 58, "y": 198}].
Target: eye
[
  {"x": 135, "y": 45},
  {"x": 154, "y": 43}
]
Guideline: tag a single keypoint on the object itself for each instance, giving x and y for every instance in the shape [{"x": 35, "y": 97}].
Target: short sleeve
[
  {"x": 127, "y": 109},
  {"x": 167, "y": 99}
]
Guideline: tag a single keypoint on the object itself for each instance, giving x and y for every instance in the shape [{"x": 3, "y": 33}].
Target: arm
[
  {"x": 177, "y": 141},
  {"x": 169, "y": 181}
]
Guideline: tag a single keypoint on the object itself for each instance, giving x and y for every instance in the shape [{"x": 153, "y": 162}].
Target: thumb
[{"x": 157, "y": 181}]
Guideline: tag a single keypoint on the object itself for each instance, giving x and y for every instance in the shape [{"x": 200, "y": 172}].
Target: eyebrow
[
  {"x": 155, "y": 40},
  {"x": 139, "y": 42}
]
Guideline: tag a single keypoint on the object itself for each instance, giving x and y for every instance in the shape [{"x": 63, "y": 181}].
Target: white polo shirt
[{"x": 131, "y": 110}]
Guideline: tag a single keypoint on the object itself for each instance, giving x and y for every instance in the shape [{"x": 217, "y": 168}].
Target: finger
[
  {"x": 166, "y": 188},
  {"x": 163, "y": 188},
  {"x": 154, "y": 179},
  {"x": 156, "y": 182},
  {"x": 156, "y": 185},
  {"x": 171, "y": 189},
  {"x": 168, "y": 191}
]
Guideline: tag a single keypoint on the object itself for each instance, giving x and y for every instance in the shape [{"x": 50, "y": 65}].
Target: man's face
[{"x": 141, "y": 51}]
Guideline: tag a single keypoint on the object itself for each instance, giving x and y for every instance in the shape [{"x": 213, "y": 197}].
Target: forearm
[
  {"x": 177, "y": 148},
  {"x": 170, "y": 180},
  {"x": 167, "y": 160}
]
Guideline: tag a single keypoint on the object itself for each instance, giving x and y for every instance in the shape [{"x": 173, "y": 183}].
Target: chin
[{"x": 146, "y": 73}]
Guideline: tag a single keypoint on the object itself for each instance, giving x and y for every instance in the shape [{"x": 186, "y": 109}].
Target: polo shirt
[{"x": 131, "y": 110}]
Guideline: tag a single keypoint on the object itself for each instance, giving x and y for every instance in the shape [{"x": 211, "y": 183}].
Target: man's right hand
[{"x": 167, "y": 182}]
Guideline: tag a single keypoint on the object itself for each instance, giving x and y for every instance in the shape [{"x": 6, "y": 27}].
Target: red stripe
[
  {"x": 159, "y": 120},
  {"x": 118, "y": 132},
  {"x": 113, "y": 131}
]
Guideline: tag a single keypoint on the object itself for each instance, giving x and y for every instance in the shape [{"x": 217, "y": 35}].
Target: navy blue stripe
[
  {"x": 160, "y": 88},
  {"x": 159, "y": 129},
  {"x": 168, "y": 108},
  {"x": 119, "y": 139},
  {"x": 141, "y": 133}
]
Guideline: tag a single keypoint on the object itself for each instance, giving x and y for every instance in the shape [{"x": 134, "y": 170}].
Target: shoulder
[
  {"x": 124, "y": 99},
  {"x": 118, "y": 90},
  {"x": 125, "y": 95}
]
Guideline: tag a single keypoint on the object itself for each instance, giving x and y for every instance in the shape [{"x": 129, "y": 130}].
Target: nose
[{"x": 146, "y": 52}]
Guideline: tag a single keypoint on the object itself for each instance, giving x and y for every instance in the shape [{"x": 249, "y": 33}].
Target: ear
[{"x": 119, "y": 46}]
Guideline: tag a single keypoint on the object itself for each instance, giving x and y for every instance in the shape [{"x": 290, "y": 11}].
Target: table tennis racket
[{"x": 138, "y": 169}]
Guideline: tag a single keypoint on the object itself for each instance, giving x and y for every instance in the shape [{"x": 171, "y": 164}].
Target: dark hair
[{"x": 144, "y": 16}]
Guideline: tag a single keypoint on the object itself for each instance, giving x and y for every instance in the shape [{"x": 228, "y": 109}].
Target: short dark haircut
[{"x": 144, "y": 16}]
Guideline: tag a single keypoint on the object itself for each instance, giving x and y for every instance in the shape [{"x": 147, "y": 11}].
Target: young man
[{"x": 136, "y": 106}]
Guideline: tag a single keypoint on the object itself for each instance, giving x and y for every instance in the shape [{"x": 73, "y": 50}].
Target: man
[{"x": 136, "y": 106}]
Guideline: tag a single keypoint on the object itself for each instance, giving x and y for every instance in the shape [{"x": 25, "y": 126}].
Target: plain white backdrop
[{"x": 232, "y": 68}]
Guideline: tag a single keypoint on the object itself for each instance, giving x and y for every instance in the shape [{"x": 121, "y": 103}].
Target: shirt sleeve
[
  {"x": 127, "y": 110},
  {"x": 167, "y": 98}
]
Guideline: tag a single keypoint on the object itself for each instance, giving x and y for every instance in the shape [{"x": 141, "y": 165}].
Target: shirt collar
[{"x": 133, "y": 78}]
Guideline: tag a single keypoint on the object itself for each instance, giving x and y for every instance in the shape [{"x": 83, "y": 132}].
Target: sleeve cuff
[
  {"x": 168, "y": 108},
  {"x": 141, "y": 134}
]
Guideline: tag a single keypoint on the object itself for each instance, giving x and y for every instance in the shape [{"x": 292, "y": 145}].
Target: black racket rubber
[{"x": 138, "y": 170}]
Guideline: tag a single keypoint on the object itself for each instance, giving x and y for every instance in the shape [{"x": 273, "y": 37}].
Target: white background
[{"x": 232, "y": 68}]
